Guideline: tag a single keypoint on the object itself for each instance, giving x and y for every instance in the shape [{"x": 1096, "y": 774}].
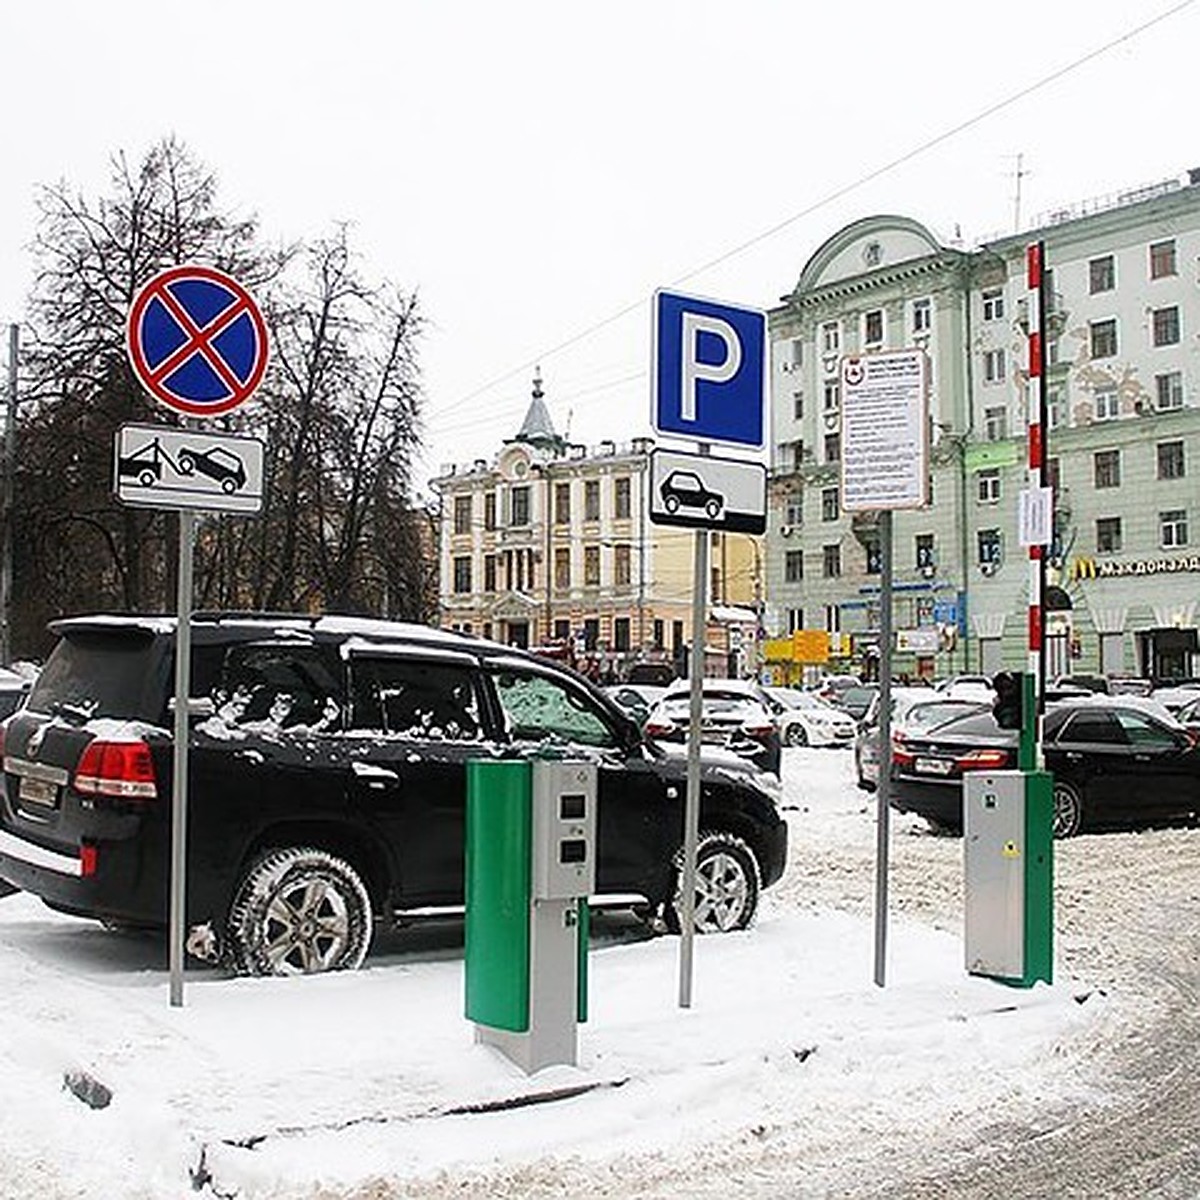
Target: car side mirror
[{"x": 199, "y": 708}]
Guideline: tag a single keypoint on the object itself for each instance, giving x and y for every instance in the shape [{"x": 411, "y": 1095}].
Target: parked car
[
  {"x": 855, "y": 700},
  {"x": 14, "y": 687},
  {"x": 806, "y": 720},
  {"x": 733, "y": 714},
  {"x": 913, "y": 709},
  {"x": 327, "y": 768},
  {"x": 636, "y": 699},
  {"x": 1129, "y": 685},
  {"x": 1113, "y": 763},
  {"x": 1090, "y": 683},
  {"x": 1176, "y": 695}
]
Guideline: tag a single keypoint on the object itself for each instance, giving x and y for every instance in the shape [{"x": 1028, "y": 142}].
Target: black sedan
[{"x": 1114, "y": 762}]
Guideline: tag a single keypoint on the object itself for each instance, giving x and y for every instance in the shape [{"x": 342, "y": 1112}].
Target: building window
[
  {"x": 793, "y": 566},
  {"x": 833, "y": 619},
  {"x": 1054, "y": 407},
  {"x": 833, "y": 395},
  {"x": 989, "y": 485},
  {"x": 873, "y": 327},
  {"x": 1108, "y": 535},
  {"x": 1108, "y": 404},
  {"x": 1168, "y": 390},
  {"x": 993, "y": 304},
  {"x": 1106, "y": 465},
  {"x": 462, "y": 574},
  {"x": 831, "y": 561},
  {"x": 622, "y": 566},
  {"x": 995, "y": 423},
  {"x": 562, "y": 630},
  {"x": 1162, "y": 259},
  {"x": 988, "y": 545},
  {"x": 621, "y": 498},
  {"x": 993, "y": 366},
  {"x": 1102, "y": 274},
  {"x": 1102, "y": 336},
  {"x": 562, "y": 504},
  {"x": 830, "y": 504},
  {"x": 1173, "y": 528},
  {"x": 621, "y": 642},
  {"x": 520, "y": 506},
  {"x": 591, "y": 633},
  {"x": 591, "y": 566},
  {"x": 489, "y": 511},
  {"x": 922, "y": 315},
  {"x": 1166, "y": 326},
  {"x": 798, "y": 405},
  {"x": 489, "y": 572},
  {"x": 926, "y": 555},
  {"x": 658, "y": 632},
  {"x": 795, "y": 619},
  {"x": 591, "y": 500},
  {"x": 562, "y": 567},
  {"x": 794, "y": 510},
  {"x": 462, "y": 514},
  {"x": 1170, "y": 460},
  {"x": 797, "y": 353},
  {"x": 797, "y": 448},
  {"x": 833, "y": 447},
  {"x": 831, "y": 337}
]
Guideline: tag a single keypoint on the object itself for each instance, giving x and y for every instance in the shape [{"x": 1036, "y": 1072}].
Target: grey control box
[{"x": 564, "y": 830}]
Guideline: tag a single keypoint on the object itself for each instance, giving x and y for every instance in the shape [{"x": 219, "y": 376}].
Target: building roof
[{"x": 538, "y": 429}]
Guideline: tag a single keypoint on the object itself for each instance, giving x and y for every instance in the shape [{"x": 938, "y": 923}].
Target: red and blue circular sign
[{"x": 197, "y": 340}]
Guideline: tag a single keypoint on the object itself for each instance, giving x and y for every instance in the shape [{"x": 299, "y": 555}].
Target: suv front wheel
[
  {"x": 727, "y": 886},
  {"x": 300, "y": 911}
]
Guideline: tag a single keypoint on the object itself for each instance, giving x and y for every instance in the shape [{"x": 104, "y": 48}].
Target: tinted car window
[
  {"x": 1141, "y": 731},
  {"x": 97, "y": 675},
  {"x": 279, "y": 687},
  {"x": 540, "y": 709},
  {"x": 411, "y": 698},
  {"x": 1097, "y": 727}
]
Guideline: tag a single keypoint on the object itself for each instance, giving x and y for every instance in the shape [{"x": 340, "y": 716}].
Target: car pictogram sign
[{"x": 197, "y": 340}]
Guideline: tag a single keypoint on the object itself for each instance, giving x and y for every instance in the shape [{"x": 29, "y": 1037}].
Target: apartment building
[{"x": 1123, "y": 377}]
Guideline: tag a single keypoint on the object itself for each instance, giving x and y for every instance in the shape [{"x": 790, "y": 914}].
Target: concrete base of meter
[{"x": 1008, "y": 869}]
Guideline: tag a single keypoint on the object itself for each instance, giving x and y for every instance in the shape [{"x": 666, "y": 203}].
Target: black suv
[{"x": 327, "y": 783}]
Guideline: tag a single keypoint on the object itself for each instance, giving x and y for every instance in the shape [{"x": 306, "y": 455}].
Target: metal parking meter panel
[
  {"x": 531, "y": 855},
  {"x": 1008, "y": 875}
]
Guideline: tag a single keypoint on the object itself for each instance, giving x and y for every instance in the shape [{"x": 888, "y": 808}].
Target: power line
[{"x": 837, "y": 194}]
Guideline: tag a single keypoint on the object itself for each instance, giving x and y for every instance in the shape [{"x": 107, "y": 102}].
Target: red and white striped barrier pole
[{"x": 1035, "y": 404}]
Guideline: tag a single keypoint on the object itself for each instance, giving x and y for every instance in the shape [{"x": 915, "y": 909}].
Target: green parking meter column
[
  {"x": 1039, "y": 878},
  {"x": 498, "y": 852},
  {"x": 581, "y": 970},
  {"x": 1008, "y": 861}
]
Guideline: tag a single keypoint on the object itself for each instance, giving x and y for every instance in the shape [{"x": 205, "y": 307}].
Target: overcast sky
[{"x": 536, "y": 168}]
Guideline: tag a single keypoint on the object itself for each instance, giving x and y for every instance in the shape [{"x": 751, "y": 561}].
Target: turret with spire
[{"x": 538, "y": 429}]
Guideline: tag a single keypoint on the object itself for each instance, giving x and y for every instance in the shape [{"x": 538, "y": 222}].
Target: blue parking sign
[{"x": 708, "y": 374}]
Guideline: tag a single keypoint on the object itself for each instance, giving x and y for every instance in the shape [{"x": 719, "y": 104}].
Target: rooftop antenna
[{"x": 1019, "y": 174}]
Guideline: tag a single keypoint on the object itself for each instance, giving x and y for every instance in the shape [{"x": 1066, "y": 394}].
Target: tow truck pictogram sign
[{"x": 161, "y": 466}]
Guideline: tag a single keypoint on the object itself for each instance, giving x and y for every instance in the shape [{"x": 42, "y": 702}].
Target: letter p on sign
[{"x": 708, "y": 373}]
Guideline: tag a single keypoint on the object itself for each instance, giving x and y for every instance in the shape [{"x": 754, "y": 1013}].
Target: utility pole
[{"x": 10, "y": 463}]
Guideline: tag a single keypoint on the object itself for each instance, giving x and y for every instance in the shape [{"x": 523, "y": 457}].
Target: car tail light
[
  {"x": 902, "y": 756},
  {"x": 982, "y": 760},
  {"x": 660, "y": 728},
  {"x": 757, "y": 730},
  {"x": 88, "y": 858},
  {"x": 121, "y": 769}
]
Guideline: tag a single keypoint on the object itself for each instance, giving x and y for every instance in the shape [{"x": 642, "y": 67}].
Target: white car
[{"x": 806, "y": 720}]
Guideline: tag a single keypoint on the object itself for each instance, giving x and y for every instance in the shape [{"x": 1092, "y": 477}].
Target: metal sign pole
[
  {"x": 691, "y": 809},
  {"x": 179, "y": 780},
  {"x": 883, "y": 785}
]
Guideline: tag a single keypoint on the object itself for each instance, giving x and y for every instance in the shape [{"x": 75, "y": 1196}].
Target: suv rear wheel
[{"x": 300, "y": 911}]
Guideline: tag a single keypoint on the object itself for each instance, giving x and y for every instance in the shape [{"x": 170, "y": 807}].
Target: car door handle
[
  {"x": 1073, "y": 756},
  {"x": 374, "y": 776}
]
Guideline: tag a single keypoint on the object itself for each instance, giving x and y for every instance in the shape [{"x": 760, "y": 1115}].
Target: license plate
[
  {"x": 38, "y": 791},
  {"x": 933, "y": 766}
]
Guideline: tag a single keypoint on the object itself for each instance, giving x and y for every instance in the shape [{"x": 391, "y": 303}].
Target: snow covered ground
[{"x": 791, "y": 1074}]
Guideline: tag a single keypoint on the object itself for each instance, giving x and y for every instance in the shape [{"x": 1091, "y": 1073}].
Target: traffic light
[{"x": 1009, "y": 705}]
